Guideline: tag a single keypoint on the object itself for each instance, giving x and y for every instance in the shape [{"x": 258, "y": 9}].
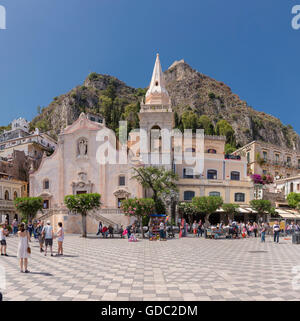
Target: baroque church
[{"x": 74, "y": 167}]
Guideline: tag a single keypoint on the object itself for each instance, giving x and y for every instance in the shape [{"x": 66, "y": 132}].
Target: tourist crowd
[{"x": 42, "y": 233}]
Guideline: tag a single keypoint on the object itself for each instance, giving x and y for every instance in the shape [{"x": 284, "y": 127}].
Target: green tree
[
  {"x": 230, "y": 208},
  {"x": 207, "y": 204},
  {"x": 229, "y": 149},
  {"x": 293, "y": 199},
  {"x": 28, "y": 206},
  {"x": 187, "y": 208},
  {"x": 106, "y": 108},
  {"x": 159, "y": 180},
  {"x": 42, "y": 125},
  {"x": 223, "y": 128},
  {"x": 131, "y": 115},
  {"x": 205, "y": 123},
  {"x": 261, "y": 206},
  {"x": 82, "y": 204},
  {"x": 140, "y": 208},
  {"x": 189, "y": 120}
]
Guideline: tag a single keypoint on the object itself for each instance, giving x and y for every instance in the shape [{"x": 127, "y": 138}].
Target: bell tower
[
  {"x": 156, "y": 116},
  {"x": 156, "y": 110}
]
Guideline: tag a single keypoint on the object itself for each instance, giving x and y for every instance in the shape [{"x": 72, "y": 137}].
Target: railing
[
  {"x": 5, "y": 203},
  {"x": 281, "y": 163},
  {"x": 154, "y": 107},
  {"x": 108, "y": 211}
]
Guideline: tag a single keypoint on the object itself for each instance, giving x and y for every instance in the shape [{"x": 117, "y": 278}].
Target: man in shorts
[{"x": 48, "y": 235}]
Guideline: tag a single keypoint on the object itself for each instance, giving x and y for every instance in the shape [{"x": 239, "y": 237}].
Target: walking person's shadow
[{"x": 41, "y": 273}]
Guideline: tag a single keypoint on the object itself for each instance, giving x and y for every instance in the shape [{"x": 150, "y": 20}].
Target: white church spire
[{"x": 157, "y": 93}]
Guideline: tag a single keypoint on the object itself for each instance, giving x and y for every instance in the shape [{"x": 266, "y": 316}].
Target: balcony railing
[
  {"x": 6, "y": 204},
  {"x": 280, "y": 163}
]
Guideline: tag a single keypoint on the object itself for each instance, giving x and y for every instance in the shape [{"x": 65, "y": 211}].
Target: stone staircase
[{"x": 108, "y": 217}]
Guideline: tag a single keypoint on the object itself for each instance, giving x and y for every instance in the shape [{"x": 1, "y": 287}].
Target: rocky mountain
[{"x": 188, "y": 89}]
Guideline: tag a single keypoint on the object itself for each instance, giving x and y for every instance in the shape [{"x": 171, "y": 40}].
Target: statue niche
[{"x": 82, "y": 148}]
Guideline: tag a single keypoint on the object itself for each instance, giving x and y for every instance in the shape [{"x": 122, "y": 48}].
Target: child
[
  {"x": 3, "y": 234},
  {"x": 244, "y": 232},
  {"x": 195, "y": 228}
]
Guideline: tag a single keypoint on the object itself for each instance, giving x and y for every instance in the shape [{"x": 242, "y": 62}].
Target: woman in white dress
[{"x": 23, "y": 248}]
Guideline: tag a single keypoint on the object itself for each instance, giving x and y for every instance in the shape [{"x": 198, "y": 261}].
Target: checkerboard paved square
[{"x": 180, "y": 269}]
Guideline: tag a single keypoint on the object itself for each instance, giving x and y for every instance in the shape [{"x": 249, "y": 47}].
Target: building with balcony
[
  {"x": 19, "y": 138},
  {"x": 222, "y": 175},
  {"x": 263, "y": 158},
  {"x": 9, "y": 190},
  {"x": 288, "y": 185}
]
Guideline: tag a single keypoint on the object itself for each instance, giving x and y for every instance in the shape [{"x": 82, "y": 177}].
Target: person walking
[
  {"x": 30, "y": 229},
  {"x": 161, "y": 231},
  {"x": 40, "y": 235},
  {"x": 23, "y": 248},
  {"x": 263, "y": 233},
  {"x": 200, "y": 229},
  {"x": 276, "y": 231},
  {"x": 121, "y": 231},
  {"x": 15, "y": 226},
  {"x": 129, "y": 229},
  {"x": 255, "y": 228},
  {"x": 60, "y": 238},
  {"x": 48, "y": 235},
  {"x": 111, "y": 231},
  {"x": 99, "y": 228},
  {"x": 3, "y": 234},
  {"x": 195, "y": 227}
]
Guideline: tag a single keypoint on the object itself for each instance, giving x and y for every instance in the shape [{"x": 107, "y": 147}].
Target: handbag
[{"x": 28, "y": 250}]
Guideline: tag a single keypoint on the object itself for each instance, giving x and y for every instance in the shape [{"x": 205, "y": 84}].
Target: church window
[
  {"x": 46, "y": 184},
  {"x": 6, "y": 195},
  {"x": 122, "y": 181}
]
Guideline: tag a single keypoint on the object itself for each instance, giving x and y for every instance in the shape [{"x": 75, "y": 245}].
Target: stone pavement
[{"x": 180, "y": 269}]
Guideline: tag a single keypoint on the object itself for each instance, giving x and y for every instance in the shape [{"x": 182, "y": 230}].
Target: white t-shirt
[
  {"x": 161, "y": 226},
  {"x": 2, "y": 235},
  {"x": 48, "y": 231},
  {"x": 61, "y": 238}
]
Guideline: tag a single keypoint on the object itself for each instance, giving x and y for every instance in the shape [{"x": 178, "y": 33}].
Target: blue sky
[{"x": 50, "y": 46}]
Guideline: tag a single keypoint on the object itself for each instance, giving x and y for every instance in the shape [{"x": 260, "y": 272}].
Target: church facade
[{"x": 89, "y": 159}]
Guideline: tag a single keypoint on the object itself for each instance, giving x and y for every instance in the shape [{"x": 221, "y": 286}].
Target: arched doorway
[{"x": 6, "y": 196}]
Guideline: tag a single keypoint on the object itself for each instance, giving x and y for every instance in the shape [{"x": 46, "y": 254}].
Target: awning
[
  {"x": 285, "y": 214},
  {"x": 250, "y": 209},
  {"x": 243, "y": 210}
]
